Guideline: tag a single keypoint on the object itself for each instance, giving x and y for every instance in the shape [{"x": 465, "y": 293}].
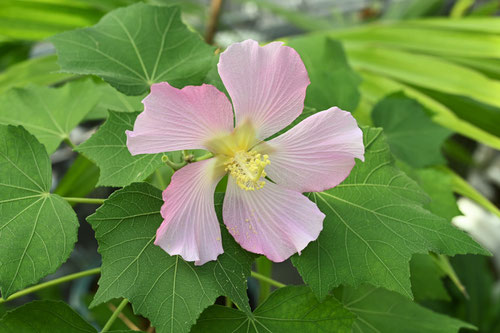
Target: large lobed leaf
[
  {"x": 108, "y": 149},
  {"x": 46, "y": 317},
  {"x": 289, "y": 309},
  {"x": 134, "y": 47},
  {"x": 41, "y": 70},
  {"x": 166, "y": 289},
  {"x": 37, "y": 229},
  {"x": 410, "y": 133},
  {"x": 380, "y": 310},
  {"x": 374, "y": 223},
  {"x": 48, "y": 113}
]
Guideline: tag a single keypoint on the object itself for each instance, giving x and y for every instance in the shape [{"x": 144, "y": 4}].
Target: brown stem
[
  {"x": 124, "y": 319},
  {"x": 213, "y": 20}
]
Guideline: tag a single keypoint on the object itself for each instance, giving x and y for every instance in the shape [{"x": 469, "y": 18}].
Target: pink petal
[
  {"x": 267, "y": 84},
  {"x": 318, "y": 153},
  {"x": 273, "y": 221},
  {"x": 190, "y": 227},
  {"x": 176, "y": 119}
]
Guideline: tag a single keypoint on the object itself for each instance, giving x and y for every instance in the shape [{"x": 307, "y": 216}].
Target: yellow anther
[{"x": 247, "y": 168}]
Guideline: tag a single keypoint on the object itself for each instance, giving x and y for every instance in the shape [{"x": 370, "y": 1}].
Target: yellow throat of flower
[{"x": 239, "y": 156}]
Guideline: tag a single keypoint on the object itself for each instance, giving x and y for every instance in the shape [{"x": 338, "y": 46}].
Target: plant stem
[
  {"x": 51, "y": 283},
  {"x": 264, "y": 267},
  {"x": 213, "y": 21},
  {"x": 265, "y": 278},
  {"x": 460, "y": 8},
  {"x": 187, "y": 157},
  {"x": 96, "y": 201},
  {"x": 173, "y": 165},
  {"x": 203, "y": 157},
  {"x": 229, "y": 303},
  {"x": 70, "y": 143},
  {"x": 115, "y": 314},
  {"x": 443, "y": 263}
]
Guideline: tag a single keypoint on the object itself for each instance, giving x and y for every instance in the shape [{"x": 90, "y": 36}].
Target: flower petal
[
  {"x": 190, "y": 227},
  {"x": 318, "y": 153},
  {"x": 267, "y": 84},
  {"x": 273, "y": 221},
  {"x": 176, "y": 119}
]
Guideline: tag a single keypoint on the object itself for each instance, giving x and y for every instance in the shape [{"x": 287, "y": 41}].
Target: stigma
[{"x": 247, "y": 168}]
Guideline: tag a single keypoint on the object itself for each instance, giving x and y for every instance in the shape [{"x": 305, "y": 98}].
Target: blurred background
[{"x": 445, "y": 54}]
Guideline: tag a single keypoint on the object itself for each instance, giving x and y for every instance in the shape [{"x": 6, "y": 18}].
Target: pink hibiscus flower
[{"x": 267, "y": 216}]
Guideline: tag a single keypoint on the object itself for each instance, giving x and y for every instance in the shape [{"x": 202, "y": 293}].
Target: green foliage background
[{"x": 417, "y": 85}]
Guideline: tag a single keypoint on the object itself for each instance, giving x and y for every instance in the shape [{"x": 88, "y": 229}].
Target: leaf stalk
[{"x": 51, "y": 283}]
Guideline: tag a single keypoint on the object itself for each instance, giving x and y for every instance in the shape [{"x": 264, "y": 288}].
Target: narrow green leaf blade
[
  {"x": 430, "y": 40},
  {"x": 425, "y": 71},
  {"x": 37, "y": 229},
  {"x": 36, "y": 20},
  {"x": 375, "y": 88},
  {"x": 374, "y": 223},
  {"x": 166, "y": 289},
  {"x": 289, "y": 309},
  {"x": 134, "y": 47}
]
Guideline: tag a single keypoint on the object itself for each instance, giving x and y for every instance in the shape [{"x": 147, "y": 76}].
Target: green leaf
[
  {"x": 462, "y": 187},
  {"x": 428, "y": 40},
  {"x": 375, "y": 88},
  {"x": 100, "y": 314},
  {"x": 112, "y": 99},
  {"x": 165, "y": 289},
  {"x": 489, "y": 67},
  {"x": 426, "y": 278},
  {"x": 108, "y": 149},
  {"x": 134, "y": 47},
  {"x": 410, "y": 133},
  {"x": 36, "y": 20},
  {"x": 438, "y": 186},
  {"x": 485, "y": 116},
  {"x": 48, "y": 113},
  {"x": 45, "y": 317},
  {"x": 42, "y": 71},
  {"x": 299, "y": 19},
  {"x": 289, "y": 309},
  {"x": 411, "y": 9},
  {"x": 37, "y": 229},
  {"x": 425, "y": 71},
  {"x": 477, "y": 24},
  {"x": 380, "y": 310},
  {"x": 333, "y": 82},
  {"x": 374, "y": 223},
  {"x": 79, "y": 180},
  {"x": 482, "y": 308}
]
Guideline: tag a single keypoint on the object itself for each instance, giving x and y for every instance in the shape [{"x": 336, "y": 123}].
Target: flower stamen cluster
[{"x": 247, "y": 168}]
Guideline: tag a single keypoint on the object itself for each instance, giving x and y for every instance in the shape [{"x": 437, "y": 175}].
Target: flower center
[{"x": 247, "y": 168}]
